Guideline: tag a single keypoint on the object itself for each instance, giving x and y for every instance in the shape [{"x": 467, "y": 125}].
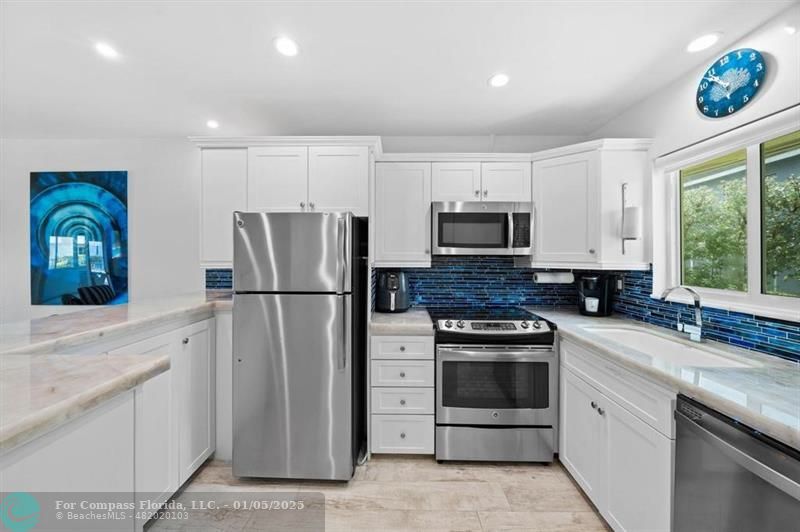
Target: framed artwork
[{"x": 79, "y": 238}]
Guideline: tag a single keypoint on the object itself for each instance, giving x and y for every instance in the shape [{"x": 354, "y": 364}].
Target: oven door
[
  {"x": 481, "y": 228},
  {"x": 496, "y": 385}
]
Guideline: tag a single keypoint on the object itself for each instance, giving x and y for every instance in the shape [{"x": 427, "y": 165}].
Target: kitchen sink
[{"x": 667, "y": 349}]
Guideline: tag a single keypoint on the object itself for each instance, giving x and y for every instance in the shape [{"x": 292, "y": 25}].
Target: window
[
  {"x": 713, "y": 199},
  {"x": 780, "y": 215},
  {"x": 61, "y": 252}
]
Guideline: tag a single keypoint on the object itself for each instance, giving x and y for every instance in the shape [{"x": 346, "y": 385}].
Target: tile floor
[{"x": 415, "y": 493}]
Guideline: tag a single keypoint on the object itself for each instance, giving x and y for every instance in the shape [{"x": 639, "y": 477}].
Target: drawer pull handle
[
  {"x": 185, "y": 341},
  {"x": 402, "y": 348},
  {"x": 593, "y": 405},
  {"x": 402, "y": 374},
  {"x": 403, "y": 435},
  {"x": 402, "y": 402}
]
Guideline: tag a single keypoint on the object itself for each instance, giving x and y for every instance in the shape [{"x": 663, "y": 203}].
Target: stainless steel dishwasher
[{"x": 729, "y": 477}]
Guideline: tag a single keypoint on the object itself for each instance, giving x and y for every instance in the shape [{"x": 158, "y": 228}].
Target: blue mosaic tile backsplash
[
  {"x": 480, "y": 282},
  {"x": 767, "y": 335},
  {"x": 219, "y": 278}
]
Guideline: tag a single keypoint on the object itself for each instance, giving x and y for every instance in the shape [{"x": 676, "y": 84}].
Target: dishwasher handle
[{"x": 742, "y": 458}]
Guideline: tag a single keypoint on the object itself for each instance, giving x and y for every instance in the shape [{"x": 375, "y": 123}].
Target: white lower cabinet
[
  {"x": 623, "y": 464},
  {"x": 402, "y": 394}
]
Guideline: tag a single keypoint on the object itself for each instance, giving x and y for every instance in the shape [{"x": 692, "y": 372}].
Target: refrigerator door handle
[
  {"x": 341, "y": 249},
  {"x": 346, "y": 340}
]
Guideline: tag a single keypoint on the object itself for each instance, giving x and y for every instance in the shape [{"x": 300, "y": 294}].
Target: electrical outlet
[{"x": 620, "y": 283}]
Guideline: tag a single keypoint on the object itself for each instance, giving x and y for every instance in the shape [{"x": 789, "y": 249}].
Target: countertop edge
[
  {"x": 402, "y": 323},
  {"x": 59, "y": 414}
]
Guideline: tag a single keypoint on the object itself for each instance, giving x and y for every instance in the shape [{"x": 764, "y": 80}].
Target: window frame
[{"x": 667, "y": 218}]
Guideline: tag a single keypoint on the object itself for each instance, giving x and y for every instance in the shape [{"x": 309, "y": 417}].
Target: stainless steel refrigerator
[{"x": 299, "y": 344}]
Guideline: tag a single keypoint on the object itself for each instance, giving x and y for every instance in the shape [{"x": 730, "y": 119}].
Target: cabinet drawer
[
  {"x": 402, "y": 373},
  {"x": 414, "y": 347},
  {"x": 645, "y": 400},
  {"x": 402, "y": 434},
  {"x": 402, "y": 400}
]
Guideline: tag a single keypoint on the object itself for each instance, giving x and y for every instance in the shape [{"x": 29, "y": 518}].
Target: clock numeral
[
  {"x": 731, "y": 109},
  {"x": 704, "y": 85},
  {"x": 705, "y": 109},
  {"x": 700, "y": 99},
  {"x": 711, "y": 71},
  {"x": 716, "y": 112},
  {"x": 759, "y": 67},
  {"x": 752, "y": 56},
  {"x": 755, "y": 83},
  {"x": 745, "y": 99},
  {"x": 724, "y": 61},
  {"x": 738, "y": 55}
]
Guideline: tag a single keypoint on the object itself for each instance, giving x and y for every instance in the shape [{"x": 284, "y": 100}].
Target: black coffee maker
[
  {"x": 596, "y": 294},
  {"x": 391, "y": 294}
]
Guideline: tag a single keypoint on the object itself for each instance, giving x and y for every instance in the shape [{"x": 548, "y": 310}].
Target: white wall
[
  {"x": 476, "y": 144},
  {"x": 163, "y": 203},
  {"x": 670, "y": 115}
]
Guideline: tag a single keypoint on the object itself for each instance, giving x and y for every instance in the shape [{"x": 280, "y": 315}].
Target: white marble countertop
[
  {"x": 63, "y": 331},
  {"x": 414, "y": 322},
  {"x": 41, "y": 392},
  {"x": 764, "y": 395}
]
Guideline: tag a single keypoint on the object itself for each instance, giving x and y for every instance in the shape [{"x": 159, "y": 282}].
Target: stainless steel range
[{"x": 496, "y": 386}]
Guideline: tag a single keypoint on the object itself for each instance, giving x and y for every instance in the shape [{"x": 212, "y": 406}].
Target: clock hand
[{"x": 717, "y": 79}]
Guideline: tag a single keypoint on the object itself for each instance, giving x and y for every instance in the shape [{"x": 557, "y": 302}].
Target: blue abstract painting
[{"x": 79, "y": 238}]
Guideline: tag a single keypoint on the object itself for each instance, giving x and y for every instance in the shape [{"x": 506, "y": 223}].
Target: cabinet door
[
  {"x": 338, "y": 179},
  {"x": 506, "y": 181},
  {"x": 582, "y": 435},
  {"x": 456, "y": 182},
  {"x": 277, "y": 178},
  {"x": 639, "y": 472},
  {"x": 195, "y": 397},
  {"x": 566, "y": 205},
  {"x": 223, "y": 190},
  {"x": 403, "y": 214}
]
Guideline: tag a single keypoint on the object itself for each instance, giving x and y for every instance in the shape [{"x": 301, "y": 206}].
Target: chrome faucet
[{"x": 695, "y": 331}]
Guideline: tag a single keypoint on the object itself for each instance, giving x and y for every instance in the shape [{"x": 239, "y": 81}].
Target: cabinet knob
[
  {"x": 403, "y": 435},
  {"x": 427, "y": 251},
  {"x": 402, "y": 348},
  {"x": 485, "y": 193},
  {"x": 593, "y": 405},
  {"x": 185, "y": 341},
  {"x": 591, "y": 251},
  {"x": 601, "y": 411},
  {"x": 402, "y": 374},
  {"x": 311, "y": 205},
  {"x": 477, "y": 193},
  {"x": 302, "y": 204},
  {"x": 402, "y": 402}
]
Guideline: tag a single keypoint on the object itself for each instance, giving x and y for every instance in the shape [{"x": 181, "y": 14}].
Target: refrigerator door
[
  {"x": 292, "y": 386},
  {"x": 292, "y": 252}
]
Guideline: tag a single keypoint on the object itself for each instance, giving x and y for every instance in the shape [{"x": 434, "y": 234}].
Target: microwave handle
[{"x": 511, "y": 230}]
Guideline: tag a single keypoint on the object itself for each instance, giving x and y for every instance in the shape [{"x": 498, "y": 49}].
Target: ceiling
[{"x": 385, "y": 68}]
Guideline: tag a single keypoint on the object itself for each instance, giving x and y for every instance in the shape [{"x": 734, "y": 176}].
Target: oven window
[
  {"x": 495, "y": 385},
  {"x": 473, "y": 229}
]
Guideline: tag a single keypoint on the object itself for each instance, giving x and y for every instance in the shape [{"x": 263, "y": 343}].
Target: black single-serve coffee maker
[{"x": 596, "y": 294}]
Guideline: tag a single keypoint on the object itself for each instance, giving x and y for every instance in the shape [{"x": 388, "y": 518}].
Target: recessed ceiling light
[
  {"x": 703, "y": 42},
  {"x": 286, "y": 46},
  {"x": 498, "y": 80},
  {"x": 106, "y": 50},
  {"x": 213, "y": 124},
  {"x": 791, "y": 30}
]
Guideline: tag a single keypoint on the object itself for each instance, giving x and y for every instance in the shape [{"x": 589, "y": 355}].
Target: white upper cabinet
[
  {"x": 566, "y": 208},
  {"x": 456, "y": 182},
  {"x": 338, "y": 179},
  {"x": 277, "y": 178},
  {"x": 402, "y": 214},
  {"x": 224, "y": 190},
  {"x": 578, "y": 205},
  {"x": 488, "y": 181},
  {"x": 506, "y": 181}
]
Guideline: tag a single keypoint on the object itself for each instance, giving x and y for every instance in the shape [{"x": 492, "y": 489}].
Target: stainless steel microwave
[{"x": 481, "y": 228}]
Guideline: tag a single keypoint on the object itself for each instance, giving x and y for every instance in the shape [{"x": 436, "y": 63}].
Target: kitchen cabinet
[
  {"x": 277, "y": 178},
  {"x": 622, "y": 462},
  {"x": 223, "y": 190},
  {"x": 578, "y": 205},
  {"x": 338, "y": 179},
  {"x": 402, "y": 215},
  {"x": 487, "y": 181},
  {"x": 194, "y": 396}
]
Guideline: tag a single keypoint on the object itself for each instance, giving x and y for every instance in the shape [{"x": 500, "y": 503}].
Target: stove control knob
[
  {"x": 460, "y": 324},
  {"x": 537, "y": 324},
  {"x": 524, "y": 324},
  {"x": 448, "y": 324}
]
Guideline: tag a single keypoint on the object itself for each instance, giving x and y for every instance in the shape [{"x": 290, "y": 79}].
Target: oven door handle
[{"x": 449, "y": 353}]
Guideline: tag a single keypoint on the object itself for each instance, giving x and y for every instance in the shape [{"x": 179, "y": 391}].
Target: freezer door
[
  {"x": 292, "y": 386},
  {"x": 292, "y": 252}
]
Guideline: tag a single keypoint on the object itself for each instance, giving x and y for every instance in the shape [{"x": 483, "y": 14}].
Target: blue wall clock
[{"x": 731, "y": 82}]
